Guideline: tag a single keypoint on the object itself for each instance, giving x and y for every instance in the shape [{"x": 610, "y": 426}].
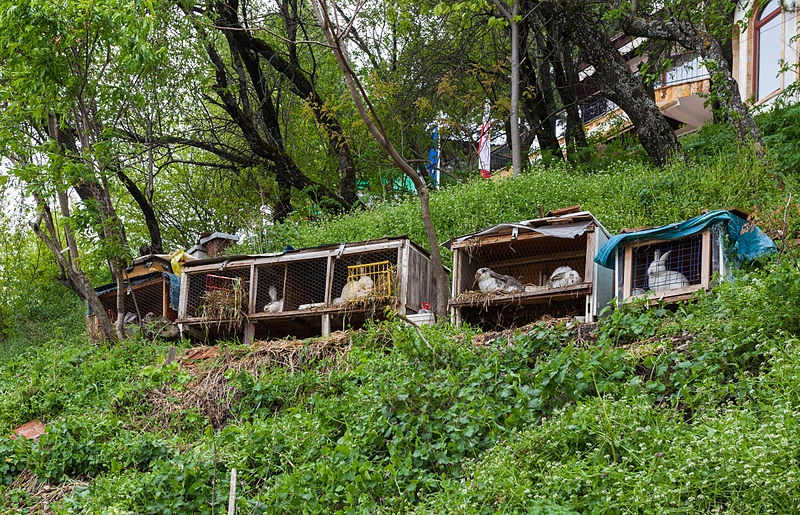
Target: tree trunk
[
  {"x": 150, "y": 218},
  {"x": 302, "y": 86},
  {"x": 565, "y": 78},
  {"x": 533, "y": 103},
  {"x": 77, "y": 277},
  {"x": 621, "y": 86},
  {"x": 724, "y": 86},
  {"x": 516, "y": 155},
  {"x": 375, "y": 127}
]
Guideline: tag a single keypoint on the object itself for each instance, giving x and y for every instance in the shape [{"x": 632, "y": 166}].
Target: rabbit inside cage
[
  {"x": 527, "y": 266},
  {"x": 669, "y": 265}
]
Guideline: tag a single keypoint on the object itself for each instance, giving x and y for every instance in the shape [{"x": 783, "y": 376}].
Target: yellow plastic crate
[{"x": 379, "y": 275}]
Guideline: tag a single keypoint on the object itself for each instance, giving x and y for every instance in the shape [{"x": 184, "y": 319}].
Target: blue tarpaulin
[{"x": 748, "y": 242}]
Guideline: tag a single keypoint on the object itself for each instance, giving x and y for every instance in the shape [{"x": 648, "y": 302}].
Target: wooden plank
[
  {"x": 251, "y": 297},
  {"x": 285, "y": 276},
  {"x": 403, "y": 275},
  {"x": 670, "y": 296},
  {"x": 215, "y": 267},
  {"x": 370, "y": 247},
  {"x": 455, "y": 288},
  {"x": 644, "y": 243},
  {"x": 249, "y": 332},
  {"x": 627, "y": 283},
  {"x": 328, "y": 282},
  {"x": 573, "y": 291},
  {"x": 184, "y": 298},
  {"x": 588, "y": 273},
  {"x": 489, "y": 240},
  {"x": 164, "y": 299},
  {"x": 705, "y": 260}
]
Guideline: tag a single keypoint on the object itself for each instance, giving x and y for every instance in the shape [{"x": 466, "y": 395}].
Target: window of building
[{"x": 768, "y": 37}]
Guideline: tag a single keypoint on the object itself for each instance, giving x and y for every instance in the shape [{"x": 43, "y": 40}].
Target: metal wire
[{"x": 682, "y": 263}]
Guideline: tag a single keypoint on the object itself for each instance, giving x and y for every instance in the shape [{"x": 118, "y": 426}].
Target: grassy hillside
[{"x": 648, "y": 411}]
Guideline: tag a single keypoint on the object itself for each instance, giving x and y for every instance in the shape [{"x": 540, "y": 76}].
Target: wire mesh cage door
[
  {"x": 270, "y": 288},
  {"x": 305, "y": 285},
  {"x": 219, "y": 294},
  {"x": 664, "y": 266},
  {"x": 530, "y": 261}
]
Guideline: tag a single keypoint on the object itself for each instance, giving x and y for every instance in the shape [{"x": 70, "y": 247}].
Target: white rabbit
[
  {"x": 489, "y": 280},
  {"x": 275, "y": 305},
  {"x": 357, "y": 287},
  {"x": 661, "y": 279},
  {"x": 562, "y": 277}
]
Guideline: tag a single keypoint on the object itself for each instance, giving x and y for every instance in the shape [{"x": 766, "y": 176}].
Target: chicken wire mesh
[
  {"x": 532, "y": 261},
  {"x": 667, "y": 265},
  {"x": 369, "y": 275},
  {"x": 227, "y": 288},
  {"x": 305, "y": 285},
  {"x": 270, "y": 281},
  {"x": 148, "y": 297}
]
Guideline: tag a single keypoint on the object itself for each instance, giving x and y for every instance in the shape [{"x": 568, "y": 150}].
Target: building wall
[{"x": 744, "y": 59}]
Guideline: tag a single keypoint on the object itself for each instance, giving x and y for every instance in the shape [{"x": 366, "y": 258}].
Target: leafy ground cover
[{"x": 650, "y": 410}]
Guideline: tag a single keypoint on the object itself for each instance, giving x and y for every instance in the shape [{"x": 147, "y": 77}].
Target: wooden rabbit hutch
[
  {"x": 673, "y": 262},
  {"x": 531, "y": 252},
  {"x": 670, "y": 270},
  {"x": 151, "y": 288},
  {"x": 306, "y": 292}
]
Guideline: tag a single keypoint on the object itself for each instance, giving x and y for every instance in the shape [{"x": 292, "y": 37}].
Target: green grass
[
  {"x": 654, "y": 411},
  {"x": 619, "y": 194}
]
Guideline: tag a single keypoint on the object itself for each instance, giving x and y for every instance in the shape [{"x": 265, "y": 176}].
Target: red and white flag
[{"x": 484, "y": 146}]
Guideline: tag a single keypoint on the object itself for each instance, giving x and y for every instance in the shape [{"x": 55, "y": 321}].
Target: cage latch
[{"x": 514, "y": 233}]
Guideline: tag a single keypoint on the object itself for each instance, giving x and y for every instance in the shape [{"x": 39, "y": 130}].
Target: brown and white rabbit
[
  {"x": 660, "y": 279},
  {"x": 489, "y": 280}
]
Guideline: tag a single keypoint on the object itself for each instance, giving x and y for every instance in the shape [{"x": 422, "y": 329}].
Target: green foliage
[
  {"x": 620, "y": 194},
  {"x": 650, "y": 410},
  {"x": 779, "y": 129}
]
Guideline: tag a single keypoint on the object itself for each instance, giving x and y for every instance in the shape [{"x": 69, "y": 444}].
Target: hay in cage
[
  {"x": 211, "y": 392},
  {"x": 224, "y": 303},
  {"x": 484, "y": 298}
]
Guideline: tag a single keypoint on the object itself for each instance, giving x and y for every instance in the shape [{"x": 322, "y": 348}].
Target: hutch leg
[{"x": 326, "y": 325}]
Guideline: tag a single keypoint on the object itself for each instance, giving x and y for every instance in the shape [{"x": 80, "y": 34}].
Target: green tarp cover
[{"x": 747, "y": 241}]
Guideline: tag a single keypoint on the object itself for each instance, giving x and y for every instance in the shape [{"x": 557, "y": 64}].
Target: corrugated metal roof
[
  {"x": 531, "y": 225},
  {"x": 238, "y": 257}
]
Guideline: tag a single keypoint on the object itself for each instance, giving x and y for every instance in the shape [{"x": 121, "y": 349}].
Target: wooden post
[
  {"x": 251, "y": 300},
  {"x": 588, "y": 274},
  {"x": 328, "y": 285},
  {"x": 170, "y": 355},
  {"x": 232, "y": 496},
  {"x": 249, "y": 333},
  {"x": 705, "y": 260},
  {"x": 627, "y": 282},
  {"x": 403, "y": 269},
  {"x": 164, "y": 298},
  {"x": 184, "y": 297},
  {"x": 541, "y": 210},
  {"x": 326, "y": 325}
]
